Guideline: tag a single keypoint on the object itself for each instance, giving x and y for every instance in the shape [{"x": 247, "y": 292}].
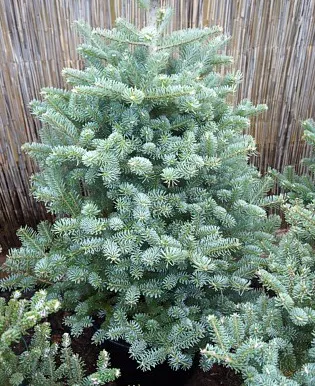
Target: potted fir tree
[{"x": 158, "y": 215}]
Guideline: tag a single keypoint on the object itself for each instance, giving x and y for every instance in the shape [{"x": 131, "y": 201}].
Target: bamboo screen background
[{"x": 272, "y": 45}]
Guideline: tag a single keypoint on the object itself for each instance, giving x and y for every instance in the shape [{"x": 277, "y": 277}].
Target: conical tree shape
[{"x": 159, "y": 216}]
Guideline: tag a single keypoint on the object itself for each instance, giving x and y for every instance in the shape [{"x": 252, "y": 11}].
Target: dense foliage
[
  {"x": 271, "y": 340},
  {"x": 37, "y": 365},
  {"x": 16, "y": 317},
  {"x": 144, "y": 164},
  {"x": 160, "y": 225}
]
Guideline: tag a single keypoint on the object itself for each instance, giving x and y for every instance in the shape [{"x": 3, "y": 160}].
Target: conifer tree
[
  {"x": 271, "y": 340},
  {"x": 37, "y": 364},
  {"x": 159, "y": 218},
  {"x": 296, "y": 186}
]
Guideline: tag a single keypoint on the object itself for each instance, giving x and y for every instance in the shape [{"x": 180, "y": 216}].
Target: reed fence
[{"x": 272, "y": 43}]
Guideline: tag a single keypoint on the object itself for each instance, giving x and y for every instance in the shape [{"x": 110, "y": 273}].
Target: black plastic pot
[{"x": 130, "y": 375}]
